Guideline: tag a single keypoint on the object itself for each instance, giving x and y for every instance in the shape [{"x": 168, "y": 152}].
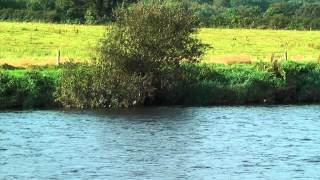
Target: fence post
[
  {"x": 286, "y": 55},
  {"x": 58, "y": 58}
]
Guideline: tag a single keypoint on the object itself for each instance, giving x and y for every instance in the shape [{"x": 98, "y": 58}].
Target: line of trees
[
  {"x": 275, "y": 14},
  {"x": 62, "y": 11}
]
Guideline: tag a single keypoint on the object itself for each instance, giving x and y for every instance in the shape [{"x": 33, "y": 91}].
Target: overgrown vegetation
[{"x": 275, "y": 14}]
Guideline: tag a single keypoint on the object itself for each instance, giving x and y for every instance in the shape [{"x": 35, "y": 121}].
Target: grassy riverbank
[
  {"x": 260, "y": 83},
  {"x": 214, "y": 84},
  {"x": 38, "y": 43}
]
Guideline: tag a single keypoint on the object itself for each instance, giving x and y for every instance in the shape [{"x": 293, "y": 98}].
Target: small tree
[
  {"x": 146, "y": 37},
  {"x": 153, "y": 40}
]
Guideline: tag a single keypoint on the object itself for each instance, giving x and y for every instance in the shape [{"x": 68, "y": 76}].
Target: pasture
[{"x": 37, "y": 43}]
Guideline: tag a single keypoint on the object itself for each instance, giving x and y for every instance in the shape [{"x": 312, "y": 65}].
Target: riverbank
[{"x": 202, "y": 85}]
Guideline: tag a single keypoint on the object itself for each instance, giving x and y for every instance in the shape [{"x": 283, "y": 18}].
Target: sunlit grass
[
  {"x": 36, "y": 43},
  {"x": 250, "y": 44}
]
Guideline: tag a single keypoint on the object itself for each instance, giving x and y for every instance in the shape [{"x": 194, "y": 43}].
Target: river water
[{"x": 273, "y": 142}]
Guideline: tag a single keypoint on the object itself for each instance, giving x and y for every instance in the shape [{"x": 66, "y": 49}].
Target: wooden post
[
  {"x": 58, "y": 58},
  {"x": 286, "y": 55},
  {"x": 286, "y": 51}
]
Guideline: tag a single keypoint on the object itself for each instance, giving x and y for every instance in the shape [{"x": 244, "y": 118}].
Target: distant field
[{"x": 35, "y": 43}]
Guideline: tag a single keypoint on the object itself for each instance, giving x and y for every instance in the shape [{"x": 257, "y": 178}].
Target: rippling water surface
[{"x": 277, "y": 142}]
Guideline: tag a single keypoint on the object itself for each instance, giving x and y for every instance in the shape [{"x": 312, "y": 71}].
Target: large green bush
[{"x": 138, "y": 61}]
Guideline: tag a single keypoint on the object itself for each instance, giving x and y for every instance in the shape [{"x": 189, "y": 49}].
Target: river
[{"x": 262, "y": 142}]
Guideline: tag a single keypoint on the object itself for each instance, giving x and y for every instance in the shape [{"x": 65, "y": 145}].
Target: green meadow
[
  {"x": 34, "y": 43},
  {"x": 38, "y": 43}
]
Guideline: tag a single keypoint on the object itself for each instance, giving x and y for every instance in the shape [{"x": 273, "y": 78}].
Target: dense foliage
[
  {"x": 64, "y": 11},
  {"x": 276, "y": 14}
]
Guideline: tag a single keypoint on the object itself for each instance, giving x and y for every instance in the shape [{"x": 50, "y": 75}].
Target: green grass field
[
  {"x": 36, "y": 43},
  {"x": 32, "y": 43}
]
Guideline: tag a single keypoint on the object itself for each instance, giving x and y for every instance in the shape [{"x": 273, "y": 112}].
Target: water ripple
[{"x": 272, "y": 142}]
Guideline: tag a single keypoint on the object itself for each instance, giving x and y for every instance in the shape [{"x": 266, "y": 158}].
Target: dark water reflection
[{"x": 278, "y": 142}]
